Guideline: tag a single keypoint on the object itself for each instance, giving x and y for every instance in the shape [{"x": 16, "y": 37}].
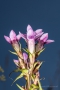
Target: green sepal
[
  {"x": 20, "y": 76},
  {"x": 13, "y": 52},
  {"x": 35, "y": 64},
  {"x": 24, "y": 71},
  {"x": 34, "y": 86},
  {"x": 33, "y": 77},
  {"x": 39, "y": 52},
  {"x": 40, "y": 87},
  {"x": 26, "y": 50},
  {"x": 39, "y": 65},
  {"x": 19, "y": 87},
  {"x": 20, "y": 46}
]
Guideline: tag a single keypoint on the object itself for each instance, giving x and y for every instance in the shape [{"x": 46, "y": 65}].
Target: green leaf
[
  {"x": 40, "y": 87},
  {"x": 19, "y": 87},
  {"x": 34, "y": 86},
  {"x": 20, "y": 76},
  {"x": 31, "y": 88},
  {"x": 39, "y": 65},
  {"x": 41, "y": 51},
  {"x": 13, "y": 52},
  {"x": 16, "y": 70},
  {"x": 38, "y": 53},
  {"x": 26, "y": 50},
  {"x": 35, "y": 64},
  {"x": 24, "y": 71},
  {"x": 33, "y": 77},
  {"x": 20, "y": 46}
]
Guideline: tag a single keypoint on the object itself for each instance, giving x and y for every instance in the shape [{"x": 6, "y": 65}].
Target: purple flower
[
  {"x": 31, "y": 34},
  {"x": 38, "y": 33},
  {"x": 25, "y": 56},
  {"x": 12, "y": 37},
  {"x": 16, "y": 62},
  {"x": 44, "y": 39},
  {"x": 30, "y": 37},
  {"x": 41, "y": 41}
]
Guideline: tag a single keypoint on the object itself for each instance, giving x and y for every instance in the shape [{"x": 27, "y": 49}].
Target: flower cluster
[{"x": 27, "y": 62}]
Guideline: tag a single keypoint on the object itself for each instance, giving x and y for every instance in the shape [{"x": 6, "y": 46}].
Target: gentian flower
[
  {"x": 37, "y": 33},
  {"x": 45, "y": 40},
  {"x": 31, "y": 36},
  {"x": 12, "y": 37},
  {"x": 42, "y": 41}
]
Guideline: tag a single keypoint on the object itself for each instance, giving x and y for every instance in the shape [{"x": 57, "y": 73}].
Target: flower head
[
  {"x": 12, "y": 37},
  {"x": 44, "y": 39}
]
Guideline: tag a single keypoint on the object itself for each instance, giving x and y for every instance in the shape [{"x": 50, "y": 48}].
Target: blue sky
[{"x": 16, "y": 15}]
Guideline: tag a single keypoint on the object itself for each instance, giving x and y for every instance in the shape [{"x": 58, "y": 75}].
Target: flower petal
[
  {"x": 38, "y": 35},
  {"x": 31, "y": 45},
  {"x": 28, "y": 28},
  {"x": 38, "y": 31},
  {"x": 16, "y": 62},
  {"x": 30, "y": 32},
  {"x": 44, "y": 37},
  {"x": 7, "y": 39},
  {"x": 12, "y": 35},
  {"x": 49, "y": 41},
  {"x": 23, "y": 36},
  {"x": 25, "y": 56},
  {"x": 18, "y": 37}
]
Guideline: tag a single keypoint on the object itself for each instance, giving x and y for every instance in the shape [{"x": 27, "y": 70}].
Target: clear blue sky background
[{"x": 16, "y": 15}]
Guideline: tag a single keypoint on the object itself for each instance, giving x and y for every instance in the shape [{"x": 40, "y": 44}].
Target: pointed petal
[
  {"x": 23, "y": 36},
  {"x": 12, "y": 35},
  {"x": 16, "y": 62},
  {"x": 18, "y": 37},
  {"x": 49, "y": 41},
  {"x": 25, "y": 56},
  {"x": 44, "y": 37},
  {"x": 28, "y": 28},
  {"x": 38, "y": 35},
  {"x": 7, "y": 39},
  {"x": 38, "y": 31},
  {"x": 30, "y": 32}
]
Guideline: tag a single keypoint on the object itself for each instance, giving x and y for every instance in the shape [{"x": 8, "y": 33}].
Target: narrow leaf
[
  {"x": 38, "y": 53},
  {"x": 39, "y": 65},
  {"x": 40, "y": 87},
  {"x": 20, "y": 76},
  {"x": 16, "y": 70},
  {"x": 20, "y": 46},
  {"x": 19, "y": 87},
  {"x": 26, "y": 50},
  {"x": 41, "y": 51},
  {"x": 35, "y": 64},
  {"x": 34, "y": 86},
  {"x": 13, "y": 52},
  {"x": 25, "y": 71}
]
